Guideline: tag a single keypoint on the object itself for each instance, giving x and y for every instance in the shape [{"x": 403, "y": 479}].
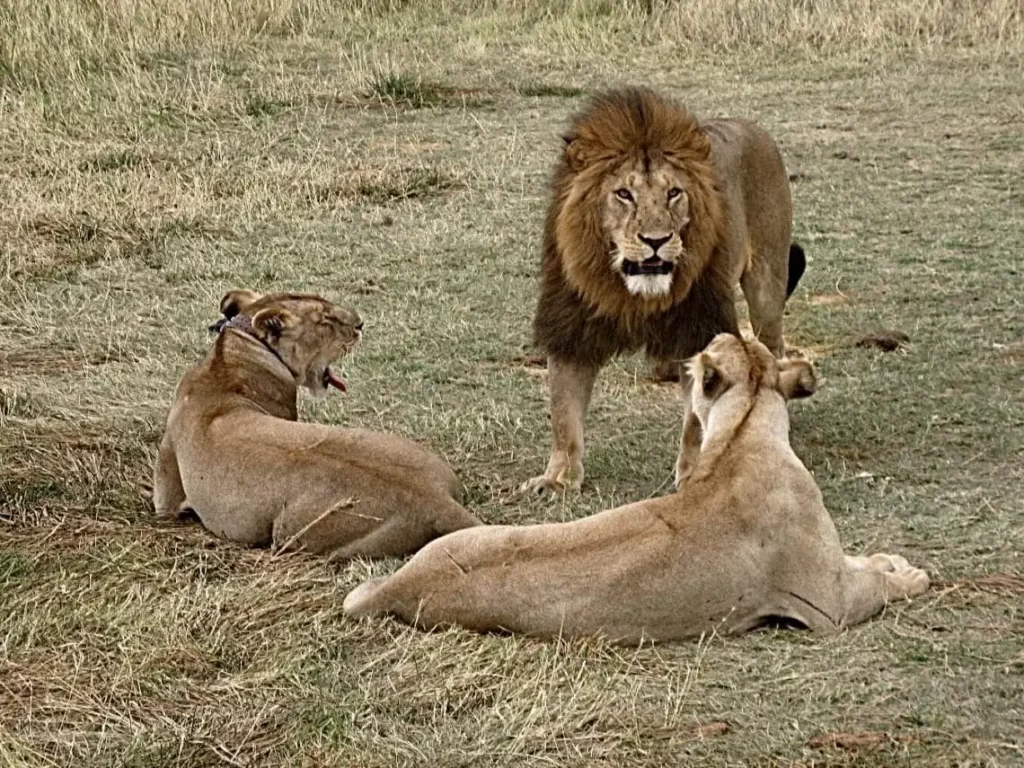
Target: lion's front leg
[{"x": 571, "y": 385}]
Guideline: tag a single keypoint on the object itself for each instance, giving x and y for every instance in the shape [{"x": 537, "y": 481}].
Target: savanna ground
[{"x": 155, "y": 154}]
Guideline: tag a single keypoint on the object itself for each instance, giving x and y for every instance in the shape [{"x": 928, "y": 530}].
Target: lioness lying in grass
[
  {"x": 744, "y": 542},
  {"x": 234, "y": 454}
]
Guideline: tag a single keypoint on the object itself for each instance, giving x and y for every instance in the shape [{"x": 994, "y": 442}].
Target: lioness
[
  {"x": 654, "y": 218},
  {"x": 745, "y": 541},
  {"x": 234, "y": 454}
]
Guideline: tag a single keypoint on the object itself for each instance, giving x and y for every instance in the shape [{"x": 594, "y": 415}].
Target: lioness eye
[
  {"x": 623, "y": 194},
  {"x": 674, "y": 193}
]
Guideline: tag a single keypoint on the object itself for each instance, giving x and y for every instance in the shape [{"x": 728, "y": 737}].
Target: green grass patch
[
  {"x": 408, "y": 91},
  {"x": 548, "y": 90}
]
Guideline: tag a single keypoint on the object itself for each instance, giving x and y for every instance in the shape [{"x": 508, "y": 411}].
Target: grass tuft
[
  {"x": 260, "y": 105},
  {"x": 385, "y": 186},
  {"x": 407, "y": 91},
  {"x": 112, "y": 160},
  {"x": 546, "y": 90}
]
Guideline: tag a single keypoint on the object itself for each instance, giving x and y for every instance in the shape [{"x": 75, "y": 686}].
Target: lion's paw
[{"x": 549, "y": 484}]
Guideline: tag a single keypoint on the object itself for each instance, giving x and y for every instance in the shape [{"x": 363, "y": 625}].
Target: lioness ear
[
  {"x": 271, "y": 322},
  {"x": 711, "y": 379},
  {"x": 237, "y": 301},
  {"x": 797, "y": 379},
  {"x": 689, "y": 449}
]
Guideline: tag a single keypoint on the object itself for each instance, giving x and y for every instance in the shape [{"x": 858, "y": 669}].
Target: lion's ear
[
  {"x": 271, "y": 322},
  {"x": 576, "y": 155},
  {"x": 797, "y": 379},
  {"x": 237, "y": 301},
  {"x": 701, "y": 143}
]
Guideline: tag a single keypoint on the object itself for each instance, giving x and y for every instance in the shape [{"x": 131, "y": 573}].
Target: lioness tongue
[{"x": 335, "y": 380}]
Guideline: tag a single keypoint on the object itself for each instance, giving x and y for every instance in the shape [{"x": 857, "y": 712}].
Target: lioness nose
[{"x": 654, "y": 242}]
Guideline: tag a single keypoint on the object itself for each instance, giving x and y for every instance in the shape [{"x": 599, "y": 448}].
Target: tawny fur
[
  {"x": 738, "y": 229},
  {"x": 746, "y": 541},
  {"x": 234, "y": 454}
]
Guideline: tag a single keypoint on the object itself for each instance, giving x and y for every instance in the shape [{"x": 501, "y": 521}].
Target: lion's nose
[{"x": 654, "y": 242}]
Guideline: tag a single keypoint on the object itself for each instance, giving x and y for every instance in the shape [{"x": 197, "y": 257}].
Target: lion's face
[
  {"x": 636, "y": 216},
  {"x": 305, "y": 331},
  {"x": 645, "y": 215}
]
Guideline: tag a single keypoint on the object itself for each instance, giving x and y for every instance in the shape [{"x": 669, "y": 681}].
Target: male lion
[
  {"x": 654, "y": 218},
  {"x": 234, "y": 454},
  {"x": 746, "y": 541}
]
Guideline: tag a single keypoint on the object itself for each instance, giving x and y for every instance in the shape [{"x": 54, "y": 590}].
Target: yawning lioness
[
  {"x": 745, "y": 541},
  {"x": 234, "y": 454}
]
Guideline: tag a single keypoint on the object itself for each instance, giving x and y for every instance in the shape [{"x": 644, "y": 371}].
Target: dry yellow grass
[
  {"x": 394, "y": 157},
  {"x": 42, "y": 41}
]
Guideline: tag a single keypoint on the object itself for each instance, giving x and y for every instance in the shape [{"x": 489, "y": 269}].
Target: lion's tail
[{"x": 797, "y": 265}]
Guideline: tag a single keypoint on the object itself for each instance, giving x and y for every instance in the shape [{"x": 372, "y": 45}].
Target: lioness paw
[
  {"x": 902, "y": 579},
  {"x": 915, "y": 581},
  {"x": 889, "y": 563}
]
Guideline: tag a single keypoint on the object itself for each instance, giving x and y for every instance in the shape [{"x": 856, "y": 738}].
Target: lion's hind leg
[
  {"x": 873, "y": 582},
  {"x": 765, "y": 292}
]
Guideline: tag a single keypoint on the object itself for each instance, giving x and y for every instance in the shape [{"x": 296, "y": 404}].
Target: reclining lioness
[
  {"x": 234, "y": 454},
  {"x": 745, "y": 541}
]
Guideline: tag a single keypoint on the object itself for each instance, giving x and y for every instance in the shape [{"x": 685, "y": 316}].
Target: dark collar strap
[{"x": 243, "y": 324}]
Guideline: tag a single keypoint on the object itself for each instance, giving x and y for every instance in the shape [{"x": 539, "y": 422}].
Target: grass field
[{"x": 155, "y": 154}]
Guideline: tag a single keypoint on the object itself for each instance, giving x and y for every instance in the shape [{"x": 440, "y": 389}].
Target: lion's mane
[{"x": 585, "y": 312}]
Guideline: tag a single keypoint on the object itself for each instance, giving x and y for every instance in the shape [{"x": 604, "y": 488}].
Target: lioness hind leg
[
  {"x": 396, "y": 537},
  {"x": 168, "y": 492},
  {"x": 874, "y": 581},
  {"x": 454, "y": 518}
]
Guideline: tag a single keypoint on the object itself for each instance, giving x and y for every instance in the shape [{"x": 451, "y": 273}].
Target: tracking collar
[{"x": 243, "y": 324}]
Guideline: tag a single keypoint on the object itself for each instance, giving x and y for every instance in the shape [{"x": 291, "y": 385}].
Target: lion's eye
[
  {"x": 674, "y": 193},
  {"x": 624, "y": 194}
]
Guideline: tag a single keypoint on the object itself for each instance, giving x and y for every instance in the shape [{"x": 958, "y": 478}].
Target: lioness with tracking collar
[
  {"x": 235, "y": 455},
  {"x": 745, "y": 541}
]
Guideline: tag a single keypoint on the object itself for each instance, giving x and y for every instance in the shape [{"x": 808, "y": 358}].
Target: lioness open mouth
[
  {"x": 649, "y": 266},
  {"x": 331, "y": 379}
]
